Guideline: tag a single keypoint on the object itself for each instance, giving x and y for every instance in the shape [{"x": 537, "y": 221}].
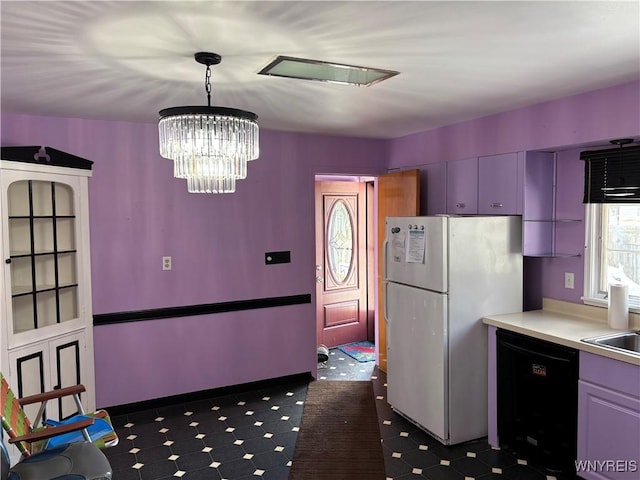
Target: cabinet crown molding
[{"x": 45, "y": 156}]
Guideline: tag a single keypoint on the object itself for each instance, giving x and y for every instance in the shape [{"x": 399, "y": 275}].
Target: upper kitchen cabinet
[
  {"x": 432, "y": 188},
  {"x": 500, "y": 184},
  {"x": 539, "y": 219},
  {"x": 47, "y": 322},
  {"x": 462, "y": 186}
]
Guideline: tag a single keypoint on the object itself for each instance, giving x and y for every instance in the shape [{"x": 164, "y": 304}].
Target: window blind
[{"x": 612, "y": 175}]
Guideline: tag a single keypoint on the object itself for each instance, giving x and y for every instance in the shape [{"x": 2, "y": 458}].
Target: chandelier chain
[{"x": 207, "y": 84}]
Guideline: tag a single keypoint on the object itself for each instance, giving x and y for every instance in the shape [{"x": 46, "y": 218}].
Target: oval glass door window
[{"x": 340, "y": 242}]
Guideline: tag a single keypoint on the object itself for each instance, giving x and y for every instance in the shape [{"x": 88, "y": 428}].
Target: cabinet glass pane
[
  {"x": 67, "y": 269},
  {"x": 19, "y": 236},
  {"x": 18, "y": 198},
  {"x": 45, "y": 271},
  {"x": 65, "y": 230},
  {"x": 21, "y": 278},
  {"x": 64, "y": 200},
  {"x": 43, "y": 235},
  {"x": 47, "y": 308},
  {"x": 68, "y": 303},
  {"x": 23, "y": 313},
  {"x": 41, "y": 197}
]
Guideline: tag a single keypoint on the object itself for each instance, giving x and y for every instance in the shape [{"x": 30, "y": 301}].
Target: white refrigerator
[{"x": 442, "y": 274}]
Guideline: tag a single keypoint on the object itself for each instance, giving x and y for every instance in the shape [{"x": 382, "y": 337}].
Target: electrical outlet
[
  {"x": 568, "y": 280},
  {"x": 166, "y": 263}
]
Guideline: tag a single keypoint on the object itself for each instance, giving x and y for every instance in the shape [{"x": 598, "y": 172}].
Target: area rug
[
  {"x": 339, "y": 437},
  {"x": 360, "y": 351}
]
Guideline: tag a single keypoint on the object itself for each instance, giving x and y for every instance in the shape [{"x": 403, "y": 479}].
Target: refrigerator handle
[
  {"x": 385, "y": 282},
  {"x": 385, "y": 313},
  {"x": 385, "y": 243}
]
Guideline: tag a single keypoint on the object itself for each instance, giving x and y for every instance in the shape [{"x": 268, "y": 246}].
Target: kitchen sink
[{"x": 625, "y": 341}]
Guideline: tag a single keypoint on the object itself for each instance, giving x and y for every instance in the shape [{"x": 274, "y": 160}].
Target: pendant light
[{"x": 209, "y": 146}]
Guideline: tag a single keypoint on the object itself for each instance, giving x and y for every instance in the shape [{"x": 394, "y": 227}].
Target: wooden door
[
  {"x": 398, "y": 195},
  {"x": 341, "y": 266}
]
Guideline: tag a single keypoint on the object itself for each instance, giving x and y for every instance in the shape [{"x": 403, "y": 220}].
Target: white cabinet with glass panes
[{"x": 47, "y": 322}]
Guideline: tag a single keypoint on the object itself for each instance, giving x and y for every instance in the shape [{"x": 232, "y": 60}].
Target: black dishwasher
[{"x": 537, "y": 400}]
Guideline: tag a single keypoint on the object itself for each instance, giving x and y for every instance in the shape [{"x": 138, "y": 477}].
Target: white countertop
[{"x": 564, "y": 328}]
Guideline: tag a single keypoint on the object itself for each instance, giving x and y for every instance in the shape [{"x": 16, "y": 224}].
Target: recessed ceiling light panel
[{"x": 306, "y": 69}]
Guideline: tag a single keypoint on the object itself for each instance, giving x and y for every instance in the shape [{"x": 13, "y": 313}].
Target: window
[{"x": 612, "y": 251}]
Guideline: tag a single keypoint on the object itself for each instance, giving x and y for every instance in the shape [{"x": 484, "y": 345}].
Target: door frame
[{"x": 369, "y": 234}]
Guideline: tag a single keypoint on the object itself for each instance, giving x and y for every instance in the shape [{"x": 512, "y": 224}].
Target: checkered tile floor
[{"x": 251, "y": 434}]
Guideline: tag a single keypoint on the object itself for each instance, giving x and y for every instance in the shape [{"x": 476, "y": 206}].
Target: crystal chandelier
[{"x": 209, "y": 146}]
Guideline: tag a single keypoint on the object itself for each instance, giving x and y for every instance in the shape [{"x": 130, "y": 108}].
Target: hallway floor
[{"x": 251, "y": 434}]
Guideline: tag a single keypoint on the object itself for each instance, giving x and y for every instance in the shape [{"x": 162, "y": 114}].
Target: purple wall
[
  {"x": 140, "y": 213},
  {"x": 593, "y": 117}
]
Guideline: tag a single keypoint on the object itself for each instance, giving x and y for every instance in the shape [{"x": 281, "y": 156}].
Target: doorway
[
  {"x": 393, "y": 194},
  {"x": 345, "y": 282}
]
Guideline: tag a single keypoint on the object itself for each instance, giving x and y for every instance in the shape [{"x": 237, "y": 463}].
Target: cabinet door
[
  {"x": 43, "y": 254},
  {"x": 608, "y": 433},
  {"x": 433, "y": 189},
  {"x": 46, "y": 366},
  {"x": 499, "y": 185},
  {"x": 462, "y": 186}
]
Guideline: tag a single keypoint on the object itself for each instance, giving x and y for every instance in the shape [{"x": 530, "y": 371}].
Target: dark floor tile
[
  {"x": 470, "y": 467},
  {"x": 148, "y": 441},
  {"x": 395, "y": 466},
  {"x": 236, "y": 468},
  {"x": 147, "y": 428},
  {"x": 249, "y": 432},
  {"x": 151, "y": 455},
  {"x": 449, "y": 452},
  {"x": 259, "y": 445},
  {"x": 154, "y": 471},
  {"x": 497, "y": 458},
  {"x": 522, "y": 472},
  {"x": 399, "y": 443},
  {"x": 201, "y": 474},
  {"x": 227, "y": 453},
  {"x": 270, "y": 460},
  {"x": 193, "y": 461},
  {"x": 186, "y": 445},
  {"x": 421, "y": 459},
  {"x": 279, "y": 473},
  {"x": 491, "y": 476},
  {"x": 127, "y": 474},
  {"x": 442, "y": 472},
  {"x": 121, "y": 461},
  {"x": 142, "y": 416}
]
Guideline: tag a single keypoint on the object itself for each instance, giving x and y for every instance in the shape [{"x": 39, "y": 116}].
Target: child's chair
[{"x": 40, "y": 435}]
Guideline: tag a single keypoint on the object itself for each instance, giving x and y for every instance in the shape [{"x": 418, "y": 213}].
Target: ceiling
[{"x": 124, "y": 60}]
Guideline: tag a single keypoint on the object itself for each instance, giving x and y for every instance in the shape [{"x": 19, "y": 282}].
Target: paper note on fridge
[
  {"x": 415, "y": 248},
  {"x": 397, "y": 247}
]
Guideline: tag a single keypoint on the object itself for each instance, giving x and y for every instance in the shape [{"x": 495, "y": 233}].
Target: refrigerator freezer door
[
  {"x": 416, "y": 252},
  {"x": 417, "y": 359}
]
